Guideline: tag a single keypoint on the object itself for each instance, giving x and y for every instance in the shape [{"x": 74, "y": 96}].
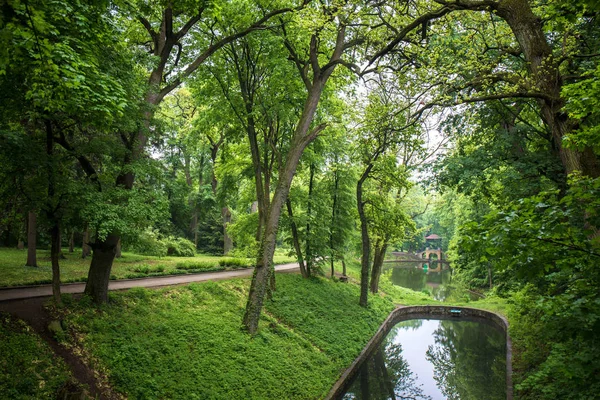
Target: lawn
[{"x": 13, "y": 271}]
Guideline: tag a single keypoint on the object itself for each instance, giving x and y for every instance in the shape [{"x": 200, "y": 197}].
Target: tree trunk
[
  {"x": 302, "y": 137},
  {"x": 72, "y": 241},
  {"x": 343, "y": 266},
  {"x": 333, "y": 221},
  {"x": 51, "y": 215},
  {"x": 99, "y": 274},
  {"x": 20, "y": 244},
  {"x": 118, "y": 249},
  {"x": 309, "y": 256},
  {"x": 60, "y": 252},
  {"x": 296, "y": 239},
  {"x": 31, "y": 240},
  {"x": 543, "y": 69},
  {"x": 85, "y": 247},
  {"x": 194, "y": 227},
  {"x": 380, "y": 249},
  {"x": 366, "y": 241},
  {"x": 54, "y": 257},
  {"x": 227, "y": 242}
]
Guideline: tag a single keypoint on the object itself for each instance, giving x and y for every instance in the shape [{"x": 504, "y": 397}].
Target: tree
[{"x": 333, "y": 38}]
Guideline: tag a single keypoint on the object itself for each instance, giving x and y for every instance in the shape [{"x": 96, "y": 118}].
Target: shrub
[
  {"x": 148, "y": 243},
  {"x": 179, "y": 247}
]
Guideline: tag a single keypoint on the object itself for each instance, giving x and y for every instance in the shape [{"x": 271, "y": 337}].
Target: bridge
[{"x": 428, "y": 254}]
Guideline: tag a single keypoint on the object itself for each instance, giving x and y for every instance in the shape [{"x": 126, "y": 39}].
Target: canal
[{"x": 431, "y": 359}]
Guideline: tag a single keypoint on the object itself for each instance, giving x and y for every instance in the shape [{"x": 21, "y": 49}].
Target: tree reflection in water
[
  {"x": 469, "y": 363},
  {"x": 443, "y": 359},
  {"x": 386, "y": 375}
]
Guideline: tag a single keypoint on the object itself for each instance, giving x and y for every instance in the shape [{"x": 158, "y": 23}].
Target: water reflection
[
  {"x": 434, "y": 279},
  {"x": 435, "y": 359}
]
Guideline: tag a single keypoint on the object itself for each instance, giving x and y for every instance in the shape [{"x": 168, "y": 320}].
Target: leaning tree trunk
[
  {"x": 309, "y": 255},
  {"x": 543, "y": 69},
  {"x": 366, "y": 241},
  {"x": 296, "y": 239},
  {"x": 31, "y": 240},
  {"x": 262, "y": 272},
  {"x": 380, "y": 249}
]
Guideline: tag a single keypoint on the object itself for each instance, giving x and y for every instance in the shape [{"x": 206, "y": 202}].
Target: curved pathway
[{"x": 25, "y": 292}]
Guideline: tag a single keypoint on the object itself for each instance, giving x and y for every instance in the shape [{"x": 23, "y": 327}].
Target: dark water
[{"x": 435, "y": 359}]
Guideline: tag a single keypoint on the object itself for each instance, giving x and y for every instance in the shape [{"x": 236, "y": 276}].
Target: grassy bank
[
  {"x": 13, "y": 271},
  {"x": 186, "y": 342},
  {"x": 28, "y": 368}
]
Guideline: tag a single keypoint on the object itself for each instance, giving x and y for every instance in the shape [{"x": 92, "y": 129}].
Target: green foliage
[
  {"x": 146, "y": 269},
  {"x": 236, "y": 262},
  {"x": 545, "y": 247},
  {"x": 148, "y": 243},
  {"x": 28, "y": 367},
  {"x": 179, "y": 247},
  {"x": 145, "y": 338},
  {"x": 243, "y": 233},
  {"x": 203, "y": 266}
]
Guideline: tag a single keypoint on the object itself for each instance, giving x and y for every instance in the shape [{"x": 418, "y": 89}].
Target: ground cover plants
[
  {"x": 28, "y": 368},
  {"x": 186, "y": 342},
  {"x": 130, "y": 265}
]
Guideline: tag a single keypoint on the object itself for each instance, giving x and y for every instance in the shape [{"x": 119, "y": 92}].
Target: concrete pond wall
[{"x": 404, "y": 313}]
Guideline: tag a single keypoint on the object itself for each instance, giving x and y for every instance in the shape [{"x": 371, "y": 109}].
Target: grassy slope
[
  {"x": 13, "y": 271},
  {"x": 186, "y": 342},
  {"x": 28, "y": 368}
]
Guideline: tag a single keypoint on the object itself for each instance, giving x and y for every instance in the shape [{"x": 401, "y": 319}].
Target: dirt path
[
  {"x": 27, "y": 303},
  {"x": 46, "y": 290}
]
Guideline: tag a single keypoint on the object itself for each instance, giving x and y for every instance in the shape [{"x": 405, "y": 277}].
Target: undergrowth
[{"x": 28, "y": 368}]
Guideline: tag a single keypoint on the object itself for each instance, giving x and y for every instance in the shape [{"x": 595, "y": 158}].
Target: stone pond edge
[{"x": 402, "y": 313}]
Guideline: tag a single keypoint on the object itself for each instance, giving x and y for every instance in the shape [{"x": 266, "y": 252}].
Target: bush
[
  {"x": 148, "y": 243},
  {"x": 179, "y": 247}
]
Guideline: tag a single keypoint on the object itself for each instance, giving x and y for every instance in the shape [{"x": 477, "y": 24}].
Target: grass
[
  {"x": 28, "y": 368},
  {"x": 187, "y": 343},
  {"x": 13, "y": 271}
]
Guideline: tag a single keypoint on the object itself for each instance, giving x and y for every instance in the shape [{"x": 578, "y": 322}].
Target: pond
[
  {"x": 431, "y": 277},
  {"x": 431, "y": 359}
]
